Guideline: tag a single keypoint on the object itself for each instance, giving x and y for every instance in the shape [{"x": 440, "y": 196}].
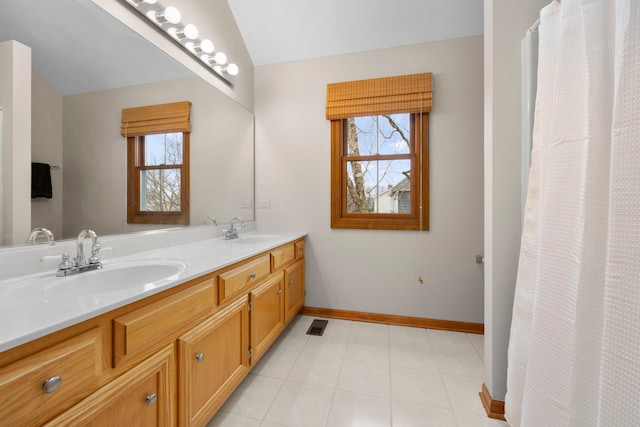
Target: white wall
[
  {"x": 46, "y": 147},
  {"x": 377, "y": 270},
  {"x": 15, "y": 99},
  {"x": 95, "y": 159},
  {"x": 505, "y": 24}
]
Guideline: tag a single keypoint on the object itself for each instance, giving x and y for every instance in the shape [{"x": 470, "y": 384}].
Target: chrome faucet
[
  {"x": 80, "y": 264},
  {"x": 33, "y": 236},
  {"x": 80, "y": 259},
  {"x": 232, "y": 233},
  {"x": 212, "y": 219}
]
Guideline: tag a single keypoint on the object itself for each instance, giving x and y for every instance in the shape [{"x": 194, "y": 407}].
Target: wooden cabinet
[
  {"x": 141, "y": 329},
  {"x": 267, "y": 315},
  {"x": 299, "y": 249},
  {"x": 213, "y": 358},
  {"x": 234, "y": 281},
  {"x": 294, "y": 289},
  {"x": 282, "y": 256},
  {"x": 142, "y": 397},
  {"x": 44, "y": 384},
  {"x": 173, "y": 358}
]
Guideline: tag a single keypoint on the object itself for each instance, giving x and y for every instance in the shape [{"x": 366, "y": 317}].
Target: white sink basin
[{"x": 114, "y": 278}]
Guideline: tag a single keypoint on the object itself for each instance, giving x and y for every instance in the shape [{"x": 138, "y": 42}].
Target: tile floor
[{"x": 365, "y": 375}]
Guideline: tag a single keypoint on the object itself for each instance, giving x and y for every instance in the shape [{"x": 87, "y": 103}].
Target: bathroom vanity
[{"x": 170, "y": 354}]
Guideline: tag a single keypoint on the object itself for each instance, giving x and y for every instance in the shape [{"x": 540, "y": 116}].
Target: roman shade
[
  {"x": 162, "y": 118},
  {"x": 386, "y": 95}
]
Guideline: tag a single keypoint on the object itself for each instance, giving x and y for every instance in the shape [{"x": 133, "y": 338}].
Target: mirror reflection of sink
[
  {"x": 255, "y": 238},
  {"x": 113, "y": 278}
]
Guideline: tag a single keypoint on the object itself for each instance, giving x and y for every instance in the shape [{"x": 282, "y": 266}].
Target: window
[
  {"x": 379, "y": 153},
  {"x": 157, "y": 163}
]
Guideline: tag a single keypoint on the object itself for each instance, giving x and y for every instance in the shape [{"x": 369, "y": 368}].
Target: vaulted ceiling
[{"x": 291, "y": 30}]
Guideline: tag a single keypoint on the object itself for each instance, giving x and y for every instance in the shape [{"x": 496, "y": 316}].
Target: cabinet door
[
  {"x": 294, "y": 289},
  {"x": 267, "y": 315},
  {"x": 144, "y": 396},
  {"x": 213, "y": 360}
]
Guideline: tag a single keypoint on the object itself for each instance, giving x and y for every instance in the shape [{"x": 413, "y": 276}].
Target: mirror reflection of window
[
  {"x": 161, "y": 172},
  {"x": 157, "y": 163}
]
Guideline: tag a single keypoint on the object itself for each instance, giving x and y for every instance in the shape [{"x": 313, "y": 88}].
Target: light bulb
[
  {"x": 190, "y": 31},
  {"x": 170, "y": 14},
  {"x": 232, "y": 69},
  {"x": 206, "y": 46},
  {"x": 220, "y": 58}
]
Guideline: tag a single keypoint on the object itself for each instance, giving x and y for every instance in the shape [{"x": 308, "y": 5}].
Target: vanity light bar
[{"x": 169, "y": 20}]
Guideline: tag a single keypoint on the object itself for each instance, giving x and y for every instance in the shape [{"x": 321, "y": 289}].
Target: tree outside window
[{"x": 379, "y": 158}]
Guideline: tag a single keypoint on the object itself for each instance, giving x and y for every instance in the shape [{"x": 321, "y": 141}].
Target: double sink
[{"x": 38, "y": 304}]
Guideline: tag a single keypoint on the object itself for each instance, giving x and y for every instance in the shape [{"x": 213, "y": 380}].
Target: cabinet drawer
[
  {"x": 299, "y": 249},
  {"x": 235, "y": 280},
  {"x": 282, "y": 256},
  {"x": 154, "y": 323},
  {"x": 28, "y": 389}
]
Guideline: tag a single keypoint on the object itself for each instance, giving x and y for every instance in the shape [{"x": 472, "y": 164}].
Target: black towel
[{"x": 41, "y": 180}]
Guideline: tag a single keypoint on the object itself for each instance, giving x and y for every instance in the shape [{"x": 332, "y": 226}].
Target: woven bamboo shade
[
  {"x": 152, "y": 119},
  {"x": 387, "y": 95}
]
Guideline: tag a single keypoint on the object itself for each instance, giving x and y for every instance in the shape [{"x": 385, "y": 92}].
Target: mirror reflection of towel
[{"x": 41, "y": 180}]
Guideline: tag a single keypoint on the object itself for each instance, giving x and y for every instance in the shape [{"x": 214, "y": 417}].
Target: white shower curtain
[{"x": 574, "y": 351}]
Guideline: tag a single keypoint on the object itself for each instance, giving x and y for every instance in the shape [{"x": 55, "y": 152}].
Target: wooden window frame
[
  {"x": 135, "y": 153},
  {"x": 418, "y": 219},
  {"x": 139, "y": 122}
]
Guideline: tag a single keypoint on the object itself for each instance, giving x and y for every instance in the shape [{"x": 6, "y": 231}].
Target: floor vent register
[{"x": 317, "y": 327}]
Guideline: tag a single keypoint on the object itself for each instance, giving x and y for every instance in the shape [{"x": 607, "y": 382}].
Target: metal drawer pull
[
  {"x": 200, "y": 357},
  {"x": 52, "y": 384},
  {"x": 151, "y": 399},
  {"x": 291, "y": 282},
  {"x": 279, "y": 291},
  {"x": 252, "y": 275}
]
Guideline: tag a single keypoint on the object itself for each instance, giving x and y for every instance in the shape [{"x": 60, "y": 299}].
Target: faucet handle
[
  {"x": 95, "y": 251},
  {"x": 66, "y": 263}
]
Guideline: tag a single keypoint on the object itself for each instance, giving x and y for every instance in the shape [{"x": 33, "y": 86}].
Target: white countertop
[{"x": 29, "y": 310}]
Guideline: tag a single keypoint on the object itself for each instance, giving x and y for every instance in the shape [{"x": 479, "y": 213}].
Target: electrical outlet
[
  {"x": 264, "y": 204},
  {"x": 246, "y": 204}
]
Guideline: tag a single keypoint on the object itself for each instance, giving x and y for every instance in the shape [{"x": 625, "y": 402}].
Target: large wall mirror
[{"x": 87, "y": 67}]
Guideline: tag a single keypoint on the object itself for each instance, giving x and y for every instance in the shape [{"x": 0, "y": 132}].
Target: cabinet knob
[
  {"x": 291, "y": 281},
  {"x": 199, "y": 357},
  {"x": 252, "y": 275},
  {"x": 52, "y": 384},
  {"x": 151, "y": 399},
  {"x": 279, "y": 291}
]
